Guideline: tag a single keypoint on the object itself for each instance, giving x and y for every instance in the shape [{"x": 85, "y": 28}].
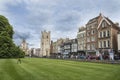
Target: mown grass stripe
[{"x": 51, "y": 69}]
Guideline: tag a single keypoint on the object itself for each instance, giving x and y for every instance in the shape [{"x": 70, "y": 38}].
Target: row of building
[{"x": 99, "y": 35}]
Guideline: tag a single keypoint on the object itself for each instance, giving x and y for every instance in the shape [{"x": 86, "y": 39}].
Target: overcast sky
[{"x": 61, "y": 17}]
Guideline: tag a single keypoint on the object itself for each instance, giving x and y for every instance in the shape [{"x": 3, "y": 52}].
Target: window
[
  {"x": 101, "y": 44},
  {"x": 93, "y": 47},
  {"x": 103, "y": 24},
  {"x": 88, "y": 39},
  {"x": 108, "y": 33},
  {"x": 88, "y": 33},
  {"x": 47, "y": 37},
  {"x": 92, "y": 38},
  {"x": 92, "y": 32},
  {"x": 88, "y": 47},
  {"x": 108, "y": 43},
  {"x": 104, "y": 44},
  {"x": 104, "y": 34},
  {"x": 100, "y": 34}
]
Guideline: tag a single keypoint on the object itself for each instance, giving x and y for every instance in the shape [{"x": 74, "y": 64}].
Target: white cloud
[{"x": 61, "y": 17}]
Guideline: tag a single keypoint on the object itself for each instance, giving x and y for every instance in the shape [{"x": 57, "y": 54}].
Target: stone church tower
[
  {"x": 24, "y": 46},
  {"x": 45, "y": 44}
]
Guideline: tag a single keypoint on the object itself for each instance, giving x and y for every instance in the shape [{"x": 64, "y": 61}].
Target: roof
[
  {"x": 109, "y": 22},
  {"x": 96, "y": 19},
  {"x": 115, "y": 26},
  {"x": 100, "y": 18}
]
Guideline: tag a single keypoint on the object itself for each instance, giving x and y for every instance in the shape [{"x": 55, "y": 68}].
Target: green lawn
[{"x": 51, "y": 69}]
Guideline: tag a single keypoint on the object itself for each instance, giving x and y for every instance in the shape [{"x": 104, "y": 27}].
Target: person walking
[{"x": 19, "y": 61}]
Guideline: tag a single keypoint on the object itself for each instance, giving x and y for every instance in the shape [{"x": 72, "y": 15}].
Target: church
[{"x": 45, "y": 44}]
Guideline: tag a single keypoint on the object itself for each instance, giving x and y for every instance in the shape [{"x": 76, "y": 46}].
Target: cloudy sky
[{"x": 61, "y": 17}]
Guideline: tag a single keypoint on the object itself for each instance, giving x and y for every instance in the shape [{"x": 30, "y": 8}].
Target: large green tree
[{"x": 7, "y": 48}]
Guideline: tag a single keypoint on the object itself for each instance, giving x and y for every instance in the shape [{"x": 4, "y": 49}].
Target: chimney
[
  {"x": 117, "y": 24},
  {"x": 100, "y": 14}
]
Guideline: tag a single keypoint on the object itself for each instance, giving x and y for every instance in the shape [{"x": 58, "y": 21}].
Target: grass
[{"x": 51, "y": 69}]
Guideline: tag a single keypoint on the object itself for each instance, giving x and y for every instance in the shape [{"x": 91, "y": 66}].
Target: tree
[{"x": 7, "y": 48}]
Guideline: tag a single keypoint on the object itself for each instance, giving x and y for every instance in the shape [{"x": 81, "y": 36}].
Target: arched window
[{"x": 103, "y": 24}]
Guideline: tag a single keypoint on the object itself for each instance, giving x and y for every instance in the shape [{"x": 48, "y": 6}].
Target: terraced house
[
  {"x": 107, "y": 35},
  {"x": 92, "y": 34},
  {"x": 101, "y": 35},
  {"x": 81, "y": 37}
]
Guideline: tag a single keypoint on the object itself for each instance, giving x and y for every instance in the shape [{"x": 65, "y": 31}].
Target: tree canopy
[{"x": 7, "y": 47}]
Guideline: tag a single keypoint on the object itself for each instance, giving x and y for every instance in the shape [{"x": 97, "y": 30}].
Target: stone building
[
  {"x": 74, "y": 46},
  {"x": 107, "y": 35},
  {"x": 92, "y": 34},
  {"x": 67, "y": 47},
  {"x": 81, "y": 38},
  {"x": 34, "y": 52},
  {"x": 57, "y": 45},
  {"x": 54, "y": 50},
  {"x": 24, "y": 47},
  {"x": 51, "y": 47},
  {"x": 37, "y": 52},
  {"x": 119, "y": 42},
  {"x": 45, "y": 44},
  {"x": 101, "y": 35}
]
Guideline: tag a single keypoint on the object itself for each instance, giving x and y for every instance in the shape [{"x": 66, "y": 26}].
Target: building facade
[
  {"x": 67, "y": 47},
  {"x": 92, "y": 34},
  {"x": 57, "y": 45},
  {"x": 81, "y": 38},
  {"x": 54, "y": 47},
  {"x": 34, "y": 52},
  {"x": 119, "y": 41},
  {"x": 101, "y": 35},
  {"x": 74, "y": 46},
  {"x": 37, "y": 52},
  {"x": 107, "y": 35},
  {"x": 24, "y": 47},
  {"x": 45, "y": 44}
]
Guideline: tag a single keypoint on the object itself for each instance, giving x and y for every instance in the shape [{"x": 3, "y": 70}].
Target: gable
[{"x": 103, "y": 20}]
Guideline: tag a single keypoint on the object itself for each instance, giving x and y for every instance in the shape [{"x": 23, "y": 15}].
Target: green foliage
[
  {"x": 7, "y": 48},
  {"x": 17, "y": 52}
]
